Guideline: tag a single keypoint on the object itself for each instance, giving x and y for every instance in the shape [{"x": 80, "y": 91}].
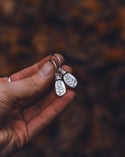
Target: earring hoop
[
  {"x": 58, "y": 58},
  {"x": 54, "y": 63}
]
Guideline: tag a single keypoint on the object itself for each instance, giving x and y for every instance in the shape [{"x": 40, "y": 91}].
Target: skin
[{"x": 28, "y": 104}]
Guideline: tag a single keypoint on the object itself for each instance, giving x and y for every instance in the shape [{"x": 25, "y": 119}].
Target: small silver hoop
[
  {"x": 9, "y": 79},
  {"x": 54, "y": 63},
  {"x": 58, "y": 58}
]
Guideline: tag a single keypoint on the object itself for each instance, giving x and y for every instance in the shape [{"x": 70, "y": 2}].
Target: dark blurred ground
[{"x": 91, "y": 36}]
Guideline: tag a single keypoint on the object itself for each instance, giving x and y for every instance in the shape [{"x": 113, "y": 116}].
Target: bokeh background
[{"x": 91, "y": 36}]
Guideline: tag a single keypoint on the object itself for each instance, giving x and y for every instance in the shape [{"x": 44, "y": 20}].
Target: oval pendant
[
  {"x": 60, "y": 87},
  {"x": 70, "y": 80}
]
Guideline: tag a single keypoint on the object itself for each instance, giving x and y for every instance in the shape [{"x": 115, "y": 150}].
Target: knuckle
[
  {"x": 54, "y": 111},
  {"x": 20, "y": 138},
  {"x": 6, "y": 99}
]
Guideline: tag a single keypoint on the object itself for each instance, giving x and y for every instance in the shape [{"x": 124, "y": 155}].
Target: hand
[{"x": 28, "y": 104}]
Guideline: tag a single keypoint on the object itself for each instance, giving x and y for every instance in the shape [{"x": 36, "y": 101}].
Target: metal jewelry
[
  {"x": 60, "y": 87},
  {"x": 62, "y": 77},
  {"x": 69, "y": 79}
]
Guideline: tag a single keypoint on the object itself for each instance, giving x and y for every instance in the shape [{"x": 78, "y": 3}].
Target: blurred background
[{"x": 91, "y": 36}]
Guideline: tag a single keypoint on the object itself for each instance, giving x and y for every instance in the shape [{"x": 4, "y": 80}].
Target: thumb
[{"x": 31, "y": 86}]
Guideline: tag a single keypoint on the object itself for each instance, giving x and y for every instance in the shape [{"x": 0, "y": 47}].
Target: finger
[
  {"x": 32, "y": 111},
  {"x": 42, "y": 119},
  {"x": 49, "y": 113},
  {"x": 33, "y": 69},
  {"x": 27, "y": 72},
  {"x": 68, "y": 68},
  {"x": 31, "y": 86}
]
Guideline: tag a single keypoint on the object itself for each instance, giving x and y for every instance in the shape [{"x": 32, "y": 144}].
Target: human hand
[{"x": 28, "y": 104}]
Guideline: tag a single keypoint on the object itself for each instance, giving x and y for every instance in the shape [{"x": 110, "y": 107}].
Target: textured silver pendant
[
  {"x": 69, "y": 79},
  {"x": 59, "y": 85}
]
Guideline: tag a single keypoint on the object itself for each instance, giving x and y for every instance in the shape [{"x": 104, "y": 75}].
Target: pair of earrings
[
  {"x": 63, "y": 77},
  {"x": 68, "y": 78}
]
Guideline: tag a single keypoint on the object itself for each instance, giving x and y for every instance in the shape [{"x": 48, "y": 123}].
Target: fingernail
[{"x": 46, "y": 69}]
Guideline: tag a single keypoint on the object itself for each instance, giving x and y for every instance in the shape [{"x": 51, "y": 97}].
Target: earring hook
[
  {"x": 54, "y": 63},
  {"x": 58, "y": 58}
]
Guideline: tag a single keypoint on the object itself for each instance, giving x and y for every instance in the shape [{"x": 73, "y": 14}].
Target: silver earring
[
  {"x": 60, "y": 87},
  {"x": 69, "y": 79}
]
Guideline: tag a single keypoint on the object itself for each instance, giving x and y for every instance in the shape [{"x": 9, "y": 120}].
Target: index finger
[{"x": 29, "y": 71}]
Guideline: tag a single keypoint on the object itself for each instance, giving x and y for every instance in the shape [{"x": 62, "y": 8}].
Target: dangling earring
[
  {"x": 60, "y": 87},
  {"x": 69, "y": 79}
]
